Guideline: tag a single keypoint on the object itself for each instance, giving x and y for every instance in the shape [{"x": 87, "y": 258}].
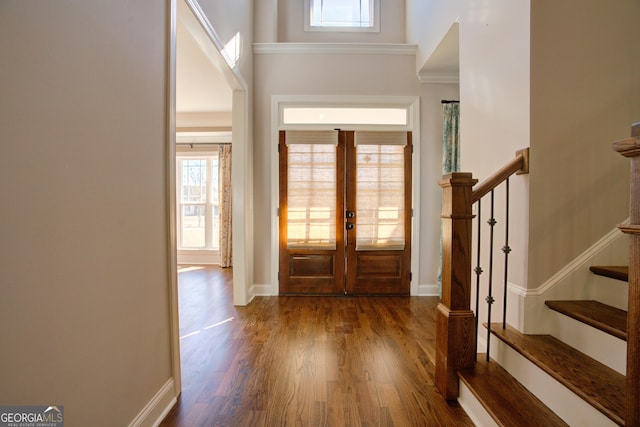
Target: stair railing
[
  {"x": 631, "y": 148},
  {"x": 456, "y": 323}
]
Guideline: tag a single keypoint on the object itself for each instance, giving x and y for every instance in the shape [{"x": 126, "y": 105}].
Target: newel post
[
  {"x": 631, "y": 148},
  {"x": 455, "y": 322}
]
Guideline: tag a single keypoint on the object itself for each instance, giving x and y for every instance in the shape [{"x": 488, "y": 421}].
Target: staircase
[
  {"x": 584, "y": 372},
  {"x": 566, "y": 385}
]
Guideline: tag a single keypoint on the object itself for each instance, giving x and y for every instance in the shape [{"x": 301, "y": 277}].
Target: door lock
[
  {"x": 350, "y": 226},
  {"x": 351, "y": 214}
]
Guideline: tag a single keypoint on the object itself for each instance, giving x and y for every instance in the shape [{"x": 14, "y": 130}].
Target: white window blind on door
[
  {"x": 380, "y": 138},
  {"x": 311, "y": 189},
  {"x": 380, "y": 184}
]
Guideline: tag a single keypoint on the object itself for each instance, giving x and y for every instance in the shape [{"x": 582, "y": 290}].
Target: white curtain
[{"x": 224, "y": 168}]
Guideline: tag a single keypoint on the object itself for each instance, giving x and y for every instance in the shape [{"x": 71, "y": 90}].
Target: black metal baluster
[
  {"x": 492, "y": 222},
  {"x": 478, "y": 271},
  {"x": 506, "y": 249}
]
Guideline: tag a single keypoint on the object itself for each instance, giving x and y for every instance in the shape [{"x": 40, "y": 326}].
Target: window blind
[
  {"x": 380, "y": 138},
  {"x": 329, "y": 137},
  {"x": 311, "y": 189},
  {"x": 380, "y": 190}
]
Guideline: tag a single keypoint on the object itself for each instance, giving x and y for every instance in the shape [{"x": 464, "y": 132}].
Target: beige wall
[
  {"x": 494, "y": 94},
  {"x": 83, "y": 253},
  {"x": 291, "y": 25},
  {"x": 200, "y": 87},
  {"x": 265, "y": 20},
  {"x": 585, "y": 93}
]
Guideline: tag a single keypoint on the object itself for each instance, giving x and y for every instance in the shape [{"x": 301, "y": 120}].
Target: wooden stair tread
[
  {"x": 504, "y": 398},
  {"x": 594, "y": 382},
  {"x": 608, "y": 319},
  {"x": 618, "y": 272}
]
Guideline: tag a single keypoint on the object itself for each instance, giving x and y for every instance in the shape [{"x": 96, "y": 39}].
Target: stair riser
[
  {"x": 474, "y": 408},
  {"x": 611, "y": 292},
  {"x": 599, "y": 345},
  {"x": 572, "y": 409}
]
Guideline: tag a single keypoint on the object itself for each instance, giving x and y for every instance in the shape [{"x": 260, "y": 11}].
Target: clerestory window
[{"x": 342, "y": 15}]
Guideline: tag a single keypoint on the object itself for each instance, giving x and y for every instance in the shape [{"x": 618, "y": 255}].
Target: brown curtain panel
[{"x": 224, "y": 168}]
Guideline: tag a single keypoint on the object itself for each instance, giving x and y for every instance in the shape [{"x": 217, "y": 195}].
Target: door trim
[
  {"x": 411, "y": 103},
  {"x": 242, "y": 170}
]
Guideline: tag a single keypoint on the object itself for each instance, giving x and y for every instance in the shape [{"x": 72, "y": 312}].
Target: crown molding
[
  {"x": 344, "y": 48},
  {"x": 428, "y": 77}
]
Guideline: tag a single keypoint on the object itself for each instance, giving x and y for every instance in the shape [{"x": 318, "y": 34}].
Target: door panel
[
  {"x": 379, "y": 194},
  {"x": 311, "y": 205},
  {"x": 368, "y": 230},
  {"x": 318, "y": 265}
]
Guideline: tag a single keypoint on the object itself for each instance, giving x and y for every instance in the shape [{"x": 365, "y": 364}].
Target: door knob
[
  {"x": 350, "y": 226},
  {"x": 350, "y": 214}
]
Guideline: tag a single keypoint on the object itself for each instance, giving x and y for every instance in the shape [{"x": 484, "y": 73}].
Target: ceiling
[
  {"x": 443, "y": 65},
  {"x": 200, "y": 87}
]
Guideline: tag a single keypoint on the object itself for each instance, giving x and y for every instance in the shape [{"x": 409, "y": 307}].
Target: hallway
[{"x": 307, "y": 361}]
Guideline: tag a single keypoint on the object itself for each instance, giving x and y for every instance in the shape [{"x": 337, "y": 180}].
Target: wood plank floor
[{"x": 305, "y": 361}]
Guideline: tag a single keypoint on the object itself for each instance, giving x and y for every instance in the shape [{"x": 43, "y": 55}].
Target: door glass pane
[
  {"x": 194, "y": 198},
  {"x": 311, "y": 194},
  {"x": 380, "y": 197}
]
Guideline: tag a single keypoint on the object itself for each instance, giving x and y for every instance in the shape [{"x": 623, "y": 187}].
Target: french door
[{"x": 345, "y": 212}]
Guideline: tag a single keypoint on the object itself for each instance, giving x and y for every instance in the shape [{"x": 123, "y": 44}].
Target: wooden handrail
[
  {"x": 519, "y": 165},
  {"x": 631, "y": 148}
]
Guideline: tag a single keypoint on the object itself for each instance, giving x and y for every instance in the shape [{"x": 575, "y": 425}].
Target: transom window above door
[
  {"x": 295, "y": 115},
  {"x": 342, "y": 15}
]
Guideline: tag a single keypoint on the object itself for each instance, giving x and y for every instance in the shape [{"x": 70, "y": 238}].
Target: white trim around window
[{"x": 201, "y": 145}]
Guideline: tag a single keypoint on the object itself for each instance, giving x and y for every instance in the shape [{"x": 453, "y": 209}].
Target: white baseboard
[
  {"x": 264, "y": 290},
  {"x": 428, "y": 290},
  {"x": 198, "y": 257},
  {"x": 158, "y": 407}
]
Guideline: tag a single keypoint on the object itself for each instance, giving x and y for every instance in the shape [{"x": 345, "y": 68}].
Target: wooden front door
[{"x": 345, "y": 212}]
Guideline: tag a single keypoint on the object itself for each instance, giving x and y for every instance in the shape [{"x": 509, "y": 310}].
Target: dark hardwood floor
[{"x": 305, "y": 361}]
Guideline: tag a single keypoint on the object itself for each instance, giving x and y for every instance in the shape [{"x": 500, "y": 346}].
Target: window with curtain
[{"x": 225, "y": 202}]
